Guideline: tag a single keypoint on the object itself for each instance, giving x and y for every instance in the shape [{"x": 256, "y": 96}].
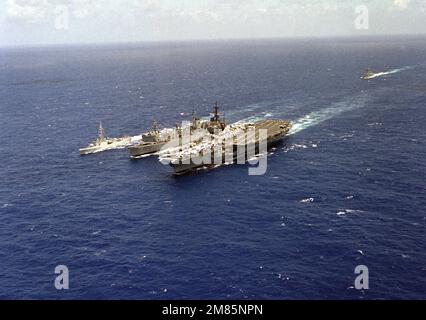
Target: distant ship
[
  {"x": 188, "y": 159},
  {"x": 368, "y": 74},
  {"x": 102, "y": 143}
]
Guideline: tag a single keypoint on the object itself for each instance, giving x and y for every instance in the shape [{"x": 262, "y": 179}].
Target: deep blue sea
[{"x": 347, "y": 188}]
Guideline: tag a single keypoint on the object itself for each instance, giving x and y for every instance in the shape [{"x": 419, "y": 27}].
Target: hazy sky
[{"x": 31, "y": 22}]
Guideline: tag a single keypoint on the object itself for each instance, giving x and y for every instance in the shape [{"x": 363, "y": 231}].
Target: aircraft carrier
[{"x": 225, "y": 147}]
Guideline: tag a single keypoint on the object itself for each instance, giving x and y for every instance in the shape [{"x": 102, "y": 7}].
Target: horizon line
[{"x": 195, "y": 40}]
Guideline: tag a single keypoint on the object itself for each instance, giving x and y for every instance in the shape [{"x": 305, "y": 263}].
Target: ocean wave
[
  {"x": 346, "y": 211},
  {"x": 294, "y": 147}
]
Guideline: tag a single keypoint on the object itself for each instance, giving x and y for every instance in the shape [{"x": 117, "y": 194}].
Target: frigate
[{"x": 103, "y": 143}]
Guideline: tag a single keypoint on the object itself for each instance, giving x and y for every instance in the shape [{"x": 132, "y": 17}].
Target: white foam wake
[
  {"x": 244, "y": 113},
  {"x": 321, "y": 115},
  {"x": 384, "y": 73}
]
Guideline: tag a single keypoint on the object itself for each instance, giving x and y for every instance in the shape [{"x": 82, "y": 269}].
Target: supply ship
[
  {"x": 155, "y": 140},
  {"x": 103, "y": 143},
  {"x": 151, "y": 141}
]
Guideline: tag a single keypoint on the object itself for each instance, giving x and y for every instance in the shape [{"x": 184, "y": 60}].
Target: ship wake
[
  {"x": 313, "y": 118},
  {"x": 316, "y": 117},
  {"x": 392, "y": 71}
]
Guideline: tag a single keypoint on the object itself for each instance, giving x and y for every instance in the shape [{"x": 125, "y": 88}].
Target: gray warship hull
[
  {"x": 277, "y": 130},
  {"x": 144, "y": 149}
]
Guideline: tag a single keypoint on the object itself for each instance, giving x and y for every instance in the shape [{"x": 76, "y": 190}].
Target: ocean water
[{"x": 346, "y": 188}]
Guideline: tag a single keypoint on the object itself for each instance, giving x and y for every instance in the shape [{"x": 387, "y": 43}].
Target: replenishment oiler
[
  {"x": 103, "y": 143},
  {"x": 150, "y": 142},
  {"x": 155, "y": 140}
]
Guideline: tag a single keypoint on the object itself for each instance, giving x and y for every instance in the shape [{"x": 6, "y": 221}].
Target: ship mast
[
  {"x": 101, "y": 132},
  {"x": 216, "y": 112},
  {"x": 194, "y": 120}
]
